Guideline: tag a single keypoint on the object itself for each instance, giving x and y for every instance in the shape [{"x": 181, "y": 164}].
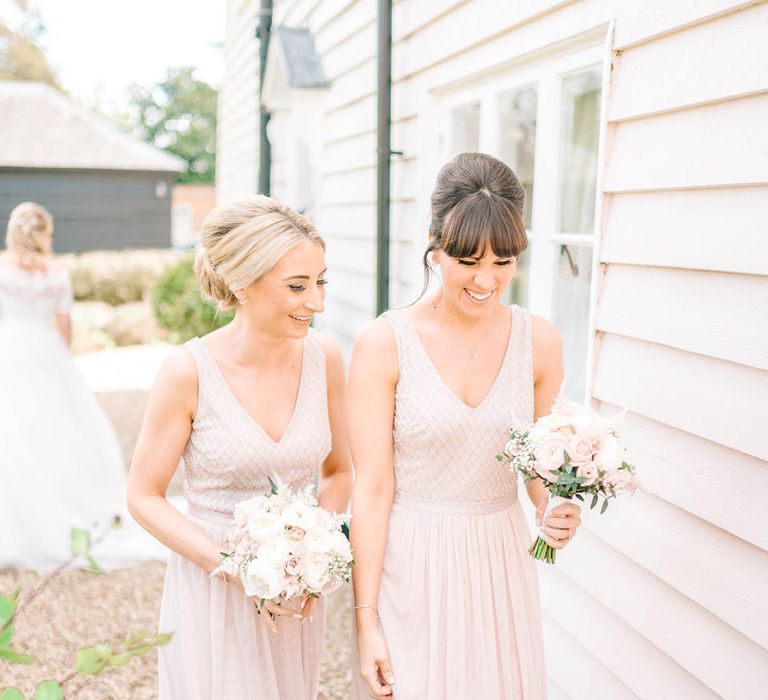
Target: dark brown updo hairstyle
[{"x": 477, "y": 201}]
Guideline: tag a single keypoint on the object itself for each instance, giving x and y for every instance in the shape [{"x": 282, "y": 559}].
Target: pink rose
[
  {"x": 589, "y": 472},
  {"x": 293, "y": 566},
  {"x": 550, "y": 455},
  {"x": 618, "y": 481},
  {"x": 580, "y": 450}
]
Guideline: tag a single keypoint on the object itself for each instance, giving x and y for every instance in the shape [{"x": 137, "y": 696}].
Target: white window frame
[{"x": 547, "y": 75}]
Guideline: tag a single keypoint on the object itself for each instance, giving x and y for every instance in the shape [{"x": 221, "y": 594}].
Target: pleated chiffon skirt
[
  {"x": 459, "y": 603},
  {"x": 222, "y": 648}
]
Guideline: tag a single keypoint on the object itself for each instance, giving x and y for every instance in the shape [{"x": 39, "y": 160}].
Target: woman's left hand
[{"x": 560, "y": 526}]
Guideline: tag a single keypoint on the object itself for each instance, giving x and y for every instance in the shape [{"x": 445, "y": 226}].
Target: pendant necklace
[{"x": 469, "y": 348}]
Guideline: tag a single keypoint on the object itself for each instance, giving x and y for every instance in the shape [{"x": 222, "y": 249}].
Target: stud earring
[{"x": 240, "y": 301}]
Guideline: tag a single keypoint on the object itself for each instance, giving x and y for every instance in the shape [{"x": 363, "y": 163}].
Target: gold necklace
[{"x": 470, "y": 349}]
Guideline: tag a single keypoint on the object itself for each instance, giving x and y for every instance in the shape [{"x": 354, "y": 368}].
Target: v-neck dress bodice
[
  {"x": 229, "y": 455},
  {"x": 442, "y": 445}
]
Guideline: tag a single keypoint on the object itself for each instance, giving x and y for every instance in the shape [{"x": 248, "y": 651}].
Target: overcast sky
[{"x": 98, "y": 47}]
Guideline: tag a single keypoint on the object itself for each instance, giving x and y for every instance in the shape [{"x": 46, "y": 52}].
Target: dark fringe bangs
[{"x": 480, "y": 220}]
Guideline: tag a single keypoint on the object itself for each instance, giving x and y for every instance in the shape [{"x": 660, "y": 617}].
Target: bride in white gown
[{"x": 60, "y": 462}]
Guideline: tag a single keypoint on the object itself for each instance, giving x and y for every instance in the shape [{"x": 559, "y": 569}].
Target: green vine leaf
[
  {"x": 11, "y": 694},
  {"x": 48, "y": 690},
  {"x": 13, "y": 657},
  {"x": 79, "y": 541}
]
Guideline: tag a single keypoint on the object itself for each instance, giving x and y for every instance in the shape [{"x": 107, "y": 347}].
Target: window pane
[
  {"x": 465, "y": 129},
  {"x": 518, "y": 289},
  {"x": 517, "y": 138},
  {"x": 571, "y": 312},
  {"x": 578, "y": 148}
]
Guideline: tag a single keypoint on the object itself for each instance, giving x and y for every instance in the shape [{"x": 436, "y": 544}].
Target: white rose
[
  {"x": 264, "y": 526},
  {"x": 251, "y": 507},
  {"x": 276, "y": 551},
  {"x": 318, "y": 541},
  {"x": 261, "y": 579},
  {"x": 300, "y": 515},
  {"x": 341, "y": 546},
  {"x": 315, "y": 573},
  {"x": 610, "y": 455}
]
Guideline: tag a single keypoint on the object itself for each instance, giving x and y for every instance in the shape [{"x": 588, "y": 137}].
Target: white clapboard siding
[
  {"x": 627, "y": 655},
  {"x": 360, "y": 149},
  {"x": 698, "y": 394},
  {"x": 708, "y": 648},
  {"x": 709, "y": 229},
  {"x": 720, "y": 572},
  {"x": 237, "y": 148},
  {"x": 330, "y": 12},
  {"x": 465, "y": 27},
  {"x": 644, "y": 21},
  {"x": 717, "y": 314},
  {"x": 330, "y": 35},
  {"x": 722, "y": 486},
  {"x": 357, "y": 49},
  {"x": 360, "y": 185},
  {"x": 664, "y": 74},
  {"x": 408, "y": 18},
  {"x": 353, "y": 85},
  {"x": 355, "y": 118},
  {"x": 573, "y": 669},
  {"x": 722, "y": 144}
]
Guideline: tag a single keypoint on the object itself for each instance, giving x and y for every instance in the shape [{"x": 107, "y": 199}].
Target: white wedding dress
[{"x": 60, "y": 462}]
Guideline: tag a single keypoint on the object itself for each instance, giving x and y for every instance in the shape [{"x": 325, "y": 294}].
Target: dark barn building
[{"x": 105, "y": 189}]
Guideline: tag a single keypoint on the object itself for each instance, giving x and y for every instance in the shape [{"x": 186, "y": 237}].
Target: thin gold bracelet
[{"x": 365, "y": 605}]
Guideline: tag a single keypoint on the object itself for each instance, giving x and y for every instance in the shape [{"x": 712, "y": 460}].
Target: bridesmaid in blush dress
[
  {"x": 446, "y": 595},
  {"x": 264, "y": 395}
]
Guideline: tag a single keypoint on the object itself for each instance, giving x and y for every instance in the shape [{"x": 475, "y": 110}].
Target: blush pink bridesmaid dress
[
  {"x": 458, "y": 600},
  {"x": 221, "y": 647}
]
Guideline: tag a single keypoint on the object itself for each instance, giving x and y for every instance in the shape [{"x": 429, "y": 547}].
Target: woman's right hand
[
  {"x": 375, "y": 665},
  {"x": 270, "y": 611}
]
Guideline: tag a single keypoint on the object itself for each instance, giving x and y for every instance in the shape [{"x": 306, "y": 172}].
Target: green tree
[
  {"x": 21, "y": 53},
  {"x": 178, "y": 115}
]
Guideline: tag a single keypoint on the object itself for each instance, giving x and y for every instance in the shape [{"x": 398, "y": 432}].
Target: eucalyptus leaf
[
  {"x": 48, "y": 690},
  {"x": 605, "y": 506},
  {"x": 594, "y": 501}
]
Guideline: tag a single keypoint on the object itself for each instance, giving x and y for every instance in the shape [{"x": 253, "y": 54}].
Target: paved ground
[{"x": 80, "y": 609}]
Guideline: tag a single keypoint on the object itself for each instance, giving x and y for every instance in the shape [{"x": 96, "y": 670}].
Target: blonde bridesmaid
[
  {"x": 446, "y": 595},
  {"x": 262, "y": 395}
]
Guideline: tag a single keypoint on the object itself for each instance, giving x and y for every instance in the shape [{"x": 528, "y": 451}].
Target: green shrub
[
  {"x": 116, "y": 276},
  {"x": 179, "y": 307}
]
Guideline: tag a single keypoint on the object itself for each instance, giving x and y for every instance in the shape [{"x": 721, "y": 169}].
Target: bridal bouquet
[
  {"x": 285, "y": 545},
  {"x": 575, "y": 452}
]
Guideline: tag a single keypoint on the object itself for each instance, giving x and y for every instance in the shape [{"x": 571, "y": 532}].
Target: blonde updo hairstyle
[
  {"x": 28, "y": 229},
  {"x": 241, "y": 242}
]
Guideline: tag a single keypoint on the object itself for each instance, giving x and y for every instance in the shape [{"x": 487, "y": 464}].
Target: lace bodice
[
  {"x": 33, "y": 297},
  {"x": 445, "y": 451},
  {"x": 229, "y": 456}
]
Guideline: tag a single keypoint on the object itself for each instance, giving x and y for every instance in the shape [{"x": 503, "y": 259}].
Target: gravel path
[{"x": 79, "y": 609}]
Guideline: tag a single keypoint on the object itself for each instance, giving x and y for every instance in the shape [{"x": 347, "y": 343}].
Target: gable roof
[
  {"x": 302, "y": 64},
  {"x": 41, "y": 128}
]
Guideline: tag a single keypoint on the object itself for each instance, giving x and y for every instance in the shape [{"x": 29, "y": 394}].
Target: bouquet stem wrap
[{"x": 540, "y": 549}]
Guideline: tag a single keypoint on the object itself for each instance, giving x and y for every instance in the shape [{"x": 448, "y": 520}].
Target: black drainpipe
[
  {"x": 383, "y": 152},
  {"x": 263, "y": 32}
]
